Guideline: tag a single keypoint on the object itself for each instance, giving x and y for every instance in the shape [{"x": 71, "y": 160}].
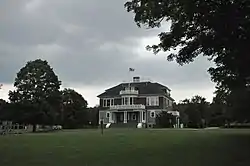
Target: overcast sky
[{"x": 90, "y": 45}]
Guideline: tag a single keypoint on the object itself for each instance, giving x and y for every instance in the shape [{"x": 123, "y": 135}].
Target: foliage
[
  {"x": 93, "y": 116},
  {"x": 37, "y": 87},
  {"x": 218, "y": 29},
  {"x": 3, "y": 104},
  {"x": 165, "y": 120},
  {"x": 194, "y": 112},
  {"x": 75, "y": 112}
]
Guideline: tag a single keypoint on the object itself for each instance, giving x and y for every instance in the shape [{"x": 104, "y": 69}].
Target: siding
[
  {"x": 118, "y": 101},
  {"x": 151, "y": 120},
  {"x": 164, "y": 103},
  {"x": 140, "y": 100}
]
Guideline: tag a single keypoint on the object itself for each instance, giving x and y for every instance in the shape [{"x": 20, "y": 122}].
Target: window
[
  {"x": 108, "y": 102},
  {"x": 107, "y": 114},
  {"x": 104, "y": 103},
  {"x": 131, "y": 100},
  {"x": 152, "y": 114},
  {"x": 127, "y": 101},
  {"x": 134, "y": 117},
  {"x": 153, "y": 101}
]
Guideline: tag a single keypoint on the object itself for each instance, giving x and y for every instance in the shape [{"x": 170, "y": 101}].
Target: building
[{"x": 134, "y": 104}]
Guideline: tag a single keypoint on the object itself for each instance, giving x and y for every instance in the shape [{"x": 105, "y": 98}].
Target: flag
[{"x": 131, "y": 69}]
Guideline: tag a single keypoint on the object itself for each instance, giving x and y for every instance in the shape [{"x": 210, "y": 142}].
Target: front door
[{"x": 120, "y": 117}]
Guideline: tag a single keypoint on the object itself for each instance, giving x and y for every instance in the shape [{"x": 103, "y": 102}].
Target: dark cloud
[{"x": 86, "y": 42}]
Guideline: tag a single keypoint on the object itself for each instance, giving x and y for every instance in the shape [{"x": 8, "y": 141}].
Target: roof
[{"x": 145, "y": 88}]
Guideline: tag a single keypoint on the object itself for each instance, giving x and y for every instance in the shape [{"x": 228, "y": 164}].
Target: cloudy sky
[{"x": 90, "y": 45}]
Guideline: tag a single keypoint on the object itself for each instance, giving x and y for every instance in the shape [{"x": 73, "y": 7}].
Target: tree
[
  {"x": 74, "y": 109},
  {"x": 37, "y": 88},
  {"x": 218, "y": 29},
  {"x": 3, "y": 104},
  {"x": 93, "y": 116},
  {"x": 194, "y": 112}
]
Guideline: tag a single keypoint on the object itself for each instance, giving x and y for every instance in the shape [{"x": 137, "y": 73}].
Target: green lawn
[{"x": 127, "y": 148}]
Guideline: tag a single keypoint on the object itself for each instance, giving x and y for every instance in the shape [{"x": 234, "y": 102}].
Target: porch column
[
  {"x": 125, "y": 117},
  {"x": 141, "y": 114},
  {"x": 178, "y": 122}
]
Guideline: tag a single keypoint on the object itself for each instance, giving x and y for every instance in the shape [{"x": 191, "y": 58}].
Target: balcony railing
[
  {"x": 174, "y": 113},
  {"x": 123, "y": 107},
  {"x": 129, "y": 92}
]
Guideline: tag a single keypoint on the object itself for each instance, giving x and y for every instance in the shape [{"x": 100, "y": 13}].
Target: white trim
[
  {"x": 105, "y": 102},
  {"x": 107, "y": 114},
  {"x": 152, "y": 101},
  {"x": 151, "y": 114},
  {"x": 125, "y": 117}
]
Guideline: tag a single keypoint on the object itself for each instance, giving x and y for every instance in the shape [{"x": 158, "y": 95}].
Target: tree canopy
[
  {"x": 74, "y": 109},
  {"x": 217, "y": 29},
  {"x": 37, "y": 89}
]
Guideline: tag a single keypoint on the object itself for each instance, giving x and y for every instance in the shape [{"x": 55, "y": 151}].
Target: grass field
[{"x": 127, "y": 147}]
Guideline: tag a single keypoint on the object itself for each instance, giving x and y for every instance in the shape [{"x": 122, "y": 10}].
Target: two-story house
[{"x": 135, "y": 103}]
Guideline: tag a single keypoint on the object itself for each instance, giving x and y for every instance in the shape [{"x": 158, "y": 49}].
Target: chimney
[{"x": 136, "y": 79}]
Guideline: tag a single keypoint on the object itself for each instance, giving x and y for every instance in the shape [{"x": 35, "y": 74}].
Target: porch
[{"x": 126, "y": 117}]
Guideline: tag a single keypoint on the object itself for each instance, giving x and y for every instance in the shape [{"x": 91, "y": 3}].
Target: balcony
[
  {"x": 127, "y": 107},
  {"x": 129, "y": 92}
]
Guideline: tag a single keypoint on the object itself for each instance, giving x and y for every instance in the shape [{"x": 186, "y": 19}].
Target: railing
[
  {"x": 122, "y": 107},
  {"x": 174, "y": 113},
  {"x": 129, "y": 92}
]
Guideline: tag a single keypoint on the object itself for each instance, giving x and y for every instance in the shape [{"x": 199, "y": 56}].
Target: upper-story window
[
  {"x": 153, "y": 101},
  {"x": 130, "y": 88},
  {"x": 108, "y": 102},
  {"x": 127, "y": 100}
]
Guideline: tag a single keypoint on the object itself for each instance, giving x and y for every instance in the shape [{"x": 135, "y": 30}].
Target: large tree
[
  {"x": 37, "y": 90},
  {"x": 75, "y": 112},
  {"x": 218, "y": 29},
  {"x": 194, "y": 112}
]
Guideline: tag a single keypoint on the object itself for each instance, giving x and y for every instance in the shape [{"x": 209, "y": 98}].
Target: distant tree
[
  {"x": 37, "y": 88},
  {"x": 3, "y": 104},
  {"x": 217, "y": 29},
  {"x": 194, "y": 112},
  {"x": 75, "y": 112},
  {"x": 93, "y": 116}
]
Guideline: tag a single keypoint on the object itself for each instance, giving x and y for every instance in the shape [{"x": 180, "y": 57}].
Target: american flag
[{"x": 131, "y": 69}]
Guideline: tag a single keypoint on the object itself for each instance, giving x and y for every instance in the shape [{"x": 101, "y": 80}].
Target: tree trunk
[{"x": 34, "y": 128}]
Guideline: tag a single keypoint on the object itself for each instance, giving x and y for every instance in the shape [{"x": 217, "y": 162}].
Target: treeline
[
  {"x": 38, "y": 100},
  {"x": 199, "y": 113}
]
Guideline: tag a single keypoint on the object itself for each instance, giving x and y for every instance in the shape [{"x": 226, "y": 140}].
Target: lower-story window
[
  {"x": 152, "y": 114},
  {"x": 107, "y": 114},
  {"x": 134, "y": 116}
]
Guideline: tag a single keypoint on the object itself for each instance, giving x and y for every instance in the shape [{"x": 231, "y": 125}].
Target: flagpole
[{"x": 130, "y": 70}]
